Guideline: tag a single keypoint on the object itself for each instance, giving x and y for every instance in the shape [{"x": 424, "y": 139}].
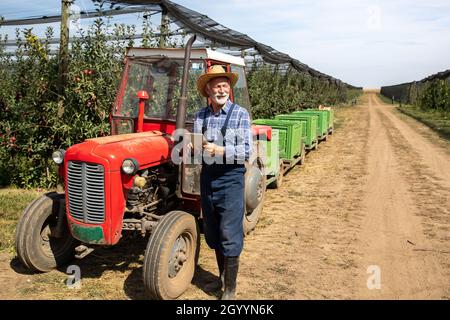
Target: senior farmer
[{"x": 226, "y": 128}]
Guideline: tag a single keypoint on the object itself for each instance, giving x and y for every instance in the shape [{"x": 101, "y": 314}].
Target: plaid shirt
[{"x": 238, "y": 139}]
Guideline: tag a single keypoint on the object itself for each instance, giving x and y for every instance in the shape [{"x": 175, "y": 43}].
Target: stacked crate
[
  {"x": 330, "y": 116},
  {"x": 309, "y": 127},
  {"x": 269, "y": 148},
  {"x": 322, "y": 128},
  {"x": 290, "y": 136}
]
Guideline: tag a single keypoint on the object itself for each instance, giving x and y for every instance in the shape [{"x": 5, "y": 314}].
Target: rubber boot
[
  {"x": 218, "y": 284},
  {"x": 231, "y": 271},
  {"x": 220, "y": 258}
]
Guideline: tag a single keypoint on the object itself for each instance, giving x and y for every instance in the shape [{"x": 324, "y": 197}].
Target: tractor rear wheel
[
  {"x": 255, "y": 190},
  {"x": 39, "y": 244},
  {"x": 171, "y": 255}
]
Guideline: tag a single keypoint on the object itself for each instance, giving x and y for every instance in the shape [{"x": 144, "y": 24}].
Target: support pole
[
  {"x": 64, "y": 44},
  {"x": 164, "y": 27}
]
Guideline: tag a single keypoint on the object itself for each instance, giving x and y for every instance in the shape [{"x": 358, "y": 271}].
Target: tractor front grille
[{"x": 86, "y": 191}]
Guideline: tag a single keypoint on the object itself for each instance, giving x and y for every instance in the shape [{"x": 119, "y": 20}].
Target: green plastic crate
[
  {"x": 330, "y": 115},
  {"x": 271, "y": 152},
  {"x": 290, "y": 136},
  {"x": 309, "y": 126},
  {"x": 322, "y": 128}
]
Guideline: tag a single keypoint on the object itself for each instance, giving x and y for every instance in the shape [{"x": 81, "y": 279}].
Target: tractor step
[{"x": 82, "y": 251}]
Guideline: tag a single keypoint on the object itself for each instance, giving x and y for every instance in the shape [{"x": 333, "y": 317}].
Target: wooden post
[
  {"x": 164, "y": 28},
  {"x": 64, "y": 44}
]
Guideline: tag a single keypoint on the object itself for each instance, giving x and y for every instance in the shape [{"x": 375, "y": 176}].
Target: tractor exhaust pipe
[{"x": 182, "y": 104}]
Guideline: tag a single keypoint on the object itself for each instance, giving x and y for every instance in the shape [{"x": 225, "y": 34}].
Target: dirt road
[
  {"x": 367, "y": 216},
  {"x": 406, "y": 227}
]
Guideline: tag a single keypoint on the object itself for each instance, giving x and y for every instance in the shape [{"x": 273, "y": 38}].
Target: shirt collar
[{"x": 223, "y": 110}]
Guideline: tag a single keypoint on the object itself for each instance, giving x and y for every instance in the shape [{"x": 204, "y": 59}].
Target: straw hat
[{"x": 215, "y": 71}]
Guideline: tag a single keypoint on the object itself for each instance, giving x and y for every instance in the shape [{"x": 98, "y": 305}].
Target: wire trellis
[{"x": 209, "y": 32}]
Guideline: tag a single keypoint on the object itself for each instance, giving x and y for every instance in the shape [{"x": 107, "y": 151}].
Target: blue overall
[{"x": 222, "y": 199}]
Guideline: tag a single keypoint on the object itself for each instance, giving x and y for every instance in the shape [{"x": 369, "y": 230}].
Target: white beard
[{"x": 220, "y": 100}]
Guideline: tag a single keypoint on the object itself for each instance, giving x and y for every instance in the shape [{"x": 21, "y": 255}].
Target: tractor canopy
[{"x": 159, "y": 72}]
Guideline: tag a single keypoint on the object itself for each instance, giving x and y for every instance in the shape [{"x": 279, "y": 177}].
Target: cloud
[{"x": 362, "y": 42}]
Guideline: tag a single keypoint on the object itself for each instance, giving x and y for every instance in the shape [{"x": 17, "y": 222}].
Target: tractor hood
[{"x": 148, "y": 148}]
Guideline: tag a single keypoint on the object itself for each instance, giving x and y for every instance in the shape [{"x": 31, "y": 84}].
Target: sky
[{"x": 364, "y": 43}]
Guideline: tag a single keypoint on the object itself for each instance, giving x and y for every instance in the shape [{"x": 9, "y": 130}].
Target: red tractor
[{"x": 128, "y": 183}]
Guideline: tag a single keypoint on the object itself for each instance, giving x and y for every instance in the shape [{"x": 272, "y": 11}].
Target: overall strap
[
  {"x": 204, "y": 124},
  {"x": 225, "y": 124}
]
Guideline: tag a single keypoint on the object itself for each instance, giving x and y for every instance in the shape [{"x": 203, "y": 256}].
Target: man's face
[{"x": 218, "y": 90}]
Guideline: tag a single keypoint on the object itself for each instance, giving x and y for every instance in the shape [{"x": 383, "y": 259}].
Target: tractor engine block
[{"x": 152, "y": 189}]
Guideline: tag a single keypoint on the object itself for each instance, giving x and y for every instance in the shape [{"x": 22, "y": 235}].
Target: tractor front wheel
[
  {"x": 171, "y": 255},
  {"x": 43, "y": 241}
]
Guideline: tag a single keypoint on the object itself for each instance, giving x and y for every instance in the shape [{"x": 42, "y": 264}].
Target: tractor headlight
[
  {"x": 58, "y": 156},
  {"x": 130, "y": 166}
]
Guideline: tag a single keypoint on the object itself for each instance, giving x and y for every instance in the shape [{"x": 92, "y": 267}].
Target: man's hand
[{"x": 213, "y": 149}]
